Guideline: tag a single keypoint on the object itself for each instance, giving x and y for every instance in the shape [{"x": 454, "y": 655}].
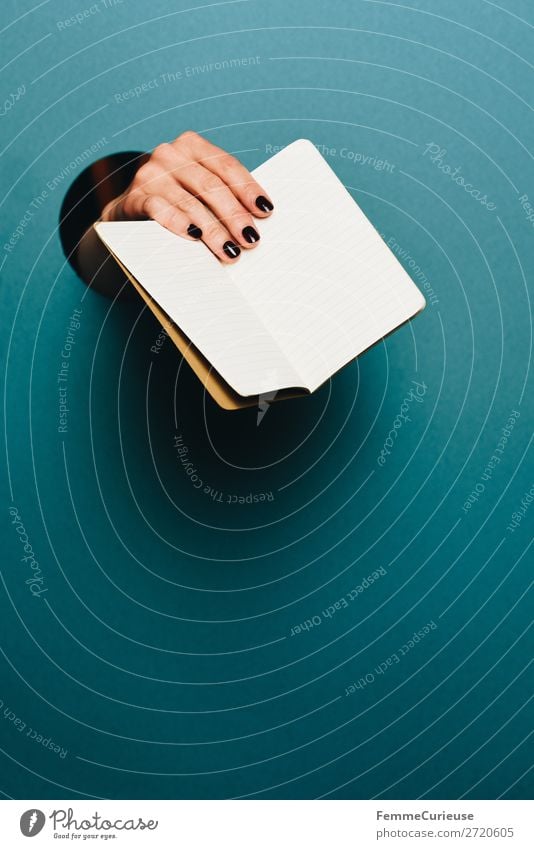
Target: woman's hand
[{"x": 198, "y": 191}]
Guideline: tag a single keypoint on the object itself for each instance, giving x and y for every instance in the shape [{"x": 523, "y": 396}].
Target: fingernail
[
  {"x": 250, "y": 235},
  {"x": 231, "y": 249},
  {"x": 264, "y": 204},
  {"x": 194, "y": 231}
]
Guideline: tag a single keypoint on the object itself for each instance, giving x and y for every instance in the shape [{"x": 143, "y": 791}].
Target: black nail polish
[
  {"x": 194, "y": 231},
  {"x": 231, "y": 249},
  {"x": 264, "y": 204},
  {"x": 250, "y": 235}
]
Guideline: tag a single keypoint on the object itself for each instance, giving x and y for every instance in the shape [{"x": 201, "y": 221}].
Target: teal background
[{"x": 160, "y": 656}]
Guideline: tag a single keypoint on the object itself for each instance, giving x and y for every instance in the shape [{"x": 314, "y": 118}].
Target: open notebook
[{"x": 320, "y": 288}]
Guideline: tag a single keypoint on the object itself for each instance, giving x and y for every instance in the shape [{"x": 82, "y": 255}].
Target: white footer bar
[{"x": 266, "y": 824}]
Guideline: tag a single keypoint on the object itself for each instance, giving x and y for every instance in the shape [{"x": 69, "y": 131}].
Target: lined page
[
  {"x": 323, "y": 281},
  {"x": 196, "y": 293}
]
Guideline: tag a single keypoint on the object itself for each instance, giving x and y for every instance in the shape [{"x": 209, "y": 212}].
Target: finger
[
  {"x": 202, "y": 184},
  {"x": 204, "y": 226},
  {"x": 229, "y": 169},
  {"x": 154, "y": 199},
  {"x": 213, "y": 233},
  {"x": 157, "y": 195},
  {"x": 222, "y": 203},
  {"x": 113, "y": 210},
  {"x": 192, "y": 218},
  {"x": 169, "y": 216}
]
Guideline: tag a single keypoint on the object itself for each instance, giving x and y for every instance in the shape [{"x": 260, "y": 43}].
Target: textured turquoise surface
[{"x": 159, "y": 649}]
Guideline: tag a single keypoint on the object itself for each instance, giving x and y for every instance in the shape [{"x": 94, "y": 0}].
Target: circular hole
[{"x": 89, "y": 193}]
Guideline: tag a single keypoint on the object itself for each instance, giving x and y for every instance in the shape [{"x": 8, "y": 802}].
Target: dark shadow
[{"x": 89, "y": 193}]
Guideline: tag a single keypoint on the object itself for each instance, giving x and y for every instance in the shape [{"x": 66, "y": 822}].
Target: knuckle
[
  {"x": 129, "y": 205},
  {"x": 110, "y": 211},
  {"x": 188, "y": 202},
  {"x": 147, "y": 172},
  {"x": 150, "y": 206},
  {"x": 244, "y": 221},
  {"x": 211, "y": 183},
  {"x": 213, "y": 232},
  {"x": 229, "y": 163},
  {"x": 233, "y": 221},
  {"x": 236, "y": 216},
  {"x": 188, "y": 136},
  {"x": 239, "y": 214},
  {"x": 173, "y": 219},
  {"x": 162, "y": 151}
]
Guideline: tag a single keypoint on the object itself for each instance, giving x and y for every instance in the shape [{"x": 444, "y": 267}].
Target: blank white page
[{"x": 322, "y": 279}]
